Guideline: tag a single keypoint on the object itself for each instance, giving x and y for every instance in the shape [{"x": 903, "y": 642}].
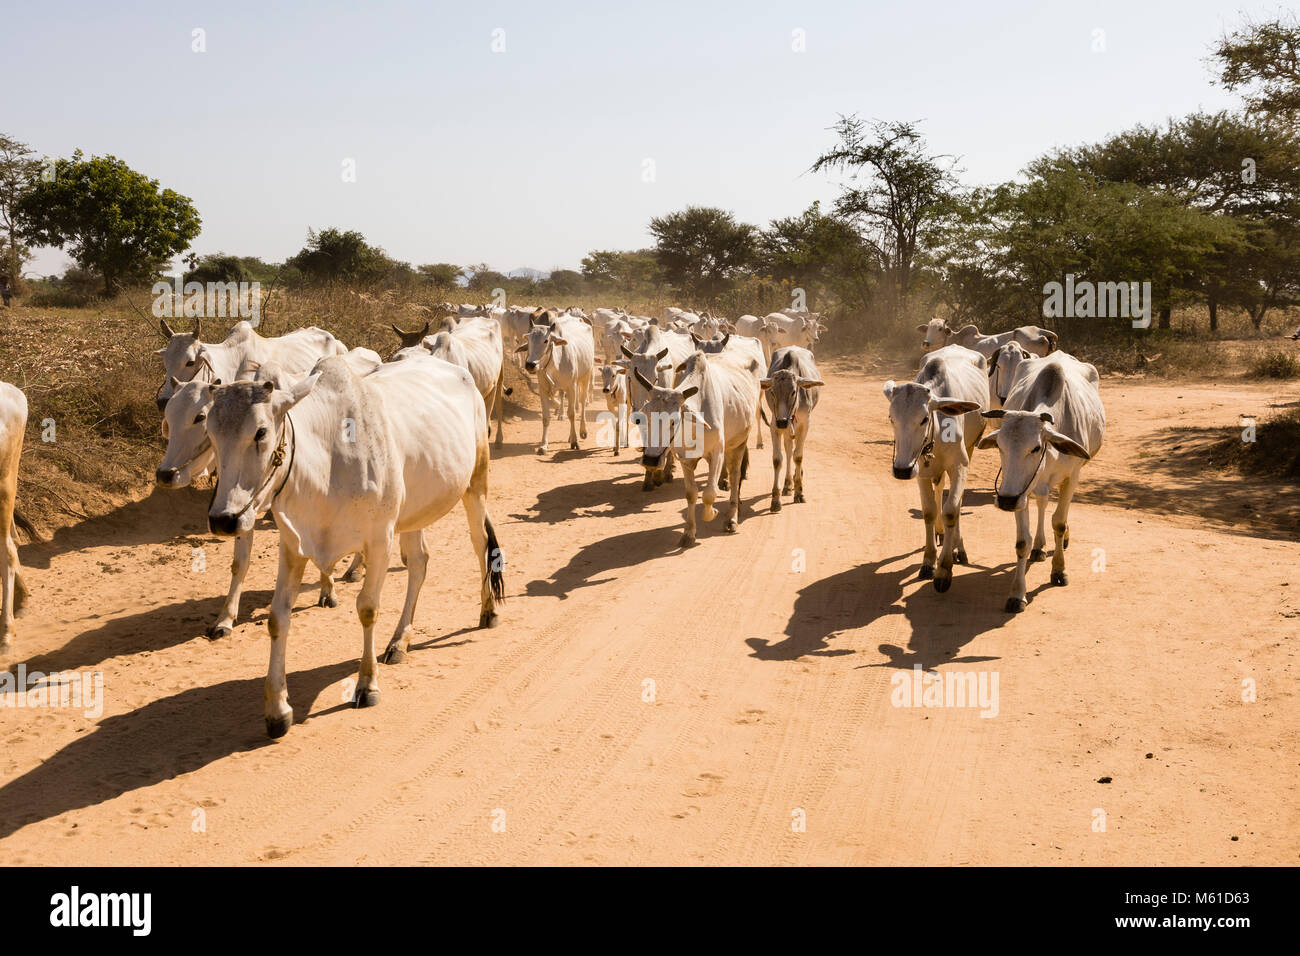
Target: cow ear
[
  {"x": 1066, "y": 446},
  {"x": 813, "y": 383},
  {"x": 994, "y": 413},
  {"x": 282, "y": 401},
  {"x": 174, "y": 382},
  {"x": 889, "y": 389},
  {"x": 765, "y": 384},
  {"x": 1047, "y": 418},
  {"x": 555, "y": 341},
  {"x": 951, "y": 406},
  {"x": 161, "y": 351},
  {"x": 988, "y": 441},
  {"x": 946, "y": 329},
  {"x": 691, "y": 390},
  {"x": 922, "y": 328},
  {"x": 522, "y": 348}
]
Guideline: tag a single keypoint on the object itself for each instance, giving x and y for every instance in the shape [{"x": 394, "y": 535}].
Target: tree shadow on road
[{"x": 161, "y": 740}]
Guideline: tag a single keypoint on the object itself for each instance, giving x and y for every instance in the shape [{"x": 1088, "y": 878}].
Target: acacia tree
[
  {"x": 702, "y": 249},
  {"x": 1263, "y": 61},
  {"x": 896, "y": 191},
  {"x": 117, "y": 222},
  {"x": 19, "y": 170}
]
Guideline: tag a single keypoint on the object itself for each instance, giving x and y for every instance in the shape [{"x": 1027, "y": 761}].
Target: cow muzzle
[
  {"x": 166, "y": 476},
  {"x": 530, "y": 366},
  {"x": 905, "y": 474},
  {"x": 782, "y": 423},
  {"x": 161, "y": 403},
  {"x": 653, "y": 461},
  {"x": 1008, "y": 502},
  {"x": 226, "y": 525}
]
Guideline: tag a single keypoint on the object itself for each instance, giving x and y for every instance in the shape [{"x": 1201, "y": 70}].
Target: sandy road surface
[{"x": 644, "y": 705}]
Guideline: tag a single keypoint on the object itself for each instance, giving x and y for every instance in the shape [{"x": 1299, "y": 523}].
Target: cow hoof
[
  {"x": 723, "y": 485},
  {"x": 942, "y": 584},
  {"x": 799, "y": 498},
  {"x": 541, "y": 449},
  {"x": 688, "y": 541},
  {"x": 488, "y": 619},
  {"x": 573, "y": 445},
  {"x": 960, "y": 556},
  {"x": 710, "y": 513},
  {"x": 776, "y": 503},
  {"x": 1059, "y": 579},
  {"x": 926, "y": 572},
  {"x": 1015, "y": 605},
  {"x": 352, "y": 577},
  {"x": 218, "y": 631},
  {"x": 1037, "y": 555},
  {"x": 647, "y": 485},
  {"x": 732, "y": 526},
  {"x": 327, "y": 599},
  {"x": 5, "y": 648},
  {"x": 394, "y": 655},
  {"x": 366, "y": 697},
  {"x": 277, "y": 727}
]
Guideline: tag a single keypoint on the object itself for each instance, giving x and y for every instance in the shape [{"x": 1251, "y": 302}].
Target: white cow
[
  {"x": 185, "y": 357},
  {"x": 936, "y": 421},
  {"x": 475, "y": 344},
  {"x": 705, "y": 417},
  {"x": 13, "y": 593},
  {"x": 802, "y": 329},
  {"x": 1031, "y": 338},
  {"x": 792, "y": 387},
  {"x": 561, "y": 352},
  {"x": 421, "y": 446},
  {"x": 614, "y": 387},
  {"x": 190, "y": 455},
  {"x": 1052, "y": 423},
  {"x": 655, "y": 355}
]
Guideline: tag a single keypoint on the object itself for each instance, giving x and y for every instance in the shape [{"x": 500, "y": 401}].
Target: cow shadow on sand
[
  {"x": 941, "y": 625},
  {"x": 161, "y": 740}
]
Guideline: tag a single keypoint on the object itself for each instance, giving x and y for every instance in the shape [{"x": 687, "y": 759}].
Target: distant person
[{"x": 6, "y": 291}]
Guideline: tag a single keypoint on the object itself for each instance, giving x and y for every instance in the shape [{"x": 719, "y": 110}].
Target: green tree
[
  {"x": 117, "y": 222},
  {"x": 1263, "y": 61},
  {"x": 821, "y": 254},
  {"x": 702, "y": 250},
  {"x": 19, "y": 170},
  {"x": 441, "y": 274},
  {"x": 624, "y": 271},
  {"x": 896, "y": 191},
  {"x": 333, "y": 255}
]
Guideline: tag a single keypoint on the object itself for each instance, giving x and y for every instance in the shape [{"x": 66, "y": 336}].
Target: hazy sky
[{"x": 537, "y": 154}]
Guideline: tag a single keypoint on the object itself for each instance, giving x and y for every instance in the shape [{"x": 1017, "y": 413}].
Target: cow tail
[{"x": 495, "y": 562}]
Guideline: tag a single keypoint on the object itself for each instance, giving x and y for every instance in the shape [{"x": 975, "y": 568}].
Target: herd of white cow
[{"x": 348, "y": 450}]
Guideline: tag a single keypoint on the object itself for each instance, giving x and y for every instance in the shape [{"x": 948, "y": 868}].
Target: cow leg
[
  {"x": 238, "y": 570},
  {"x": 688, "y": 484},
  {"x": 951, "y": 539},
  {"x": 545, "y": 390},
  {"x": 929, "y": 512},
  {"x": 353, "y": 573},
  {"x": 279, "y": 715},
  {"x": 801, "y": 434},
  {"x": 777, "y": 459},
  {"x": 376, "y": 552},
  {"x": 1016, "y": 603},
  {"x": 1040, "y": 536},
  {"x": 482, "y": 536},
  {"x": 625, "y": 412},
  {"x": 501, "y": 403},
  {"x": 582, "y": 413},
  {"x": 787, "y": 442},
  {"x": 668, "y": 468},
  {"x": 8, "y": 579},
  {"x": 1061, "y": 531},
  {"x": 417, "y": 564},
  {"x": 735, "y": 465},
  {"x": 573, "y": 412},
  {"x": 328, "y": 596},
  {"x": 758, "y": 421}
]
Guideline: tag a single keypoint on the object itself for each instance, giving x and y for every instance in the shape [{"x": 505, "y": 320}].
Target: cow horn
[
  {"x": 167, "y": 330},
  {"x": 645, "y": 382}
]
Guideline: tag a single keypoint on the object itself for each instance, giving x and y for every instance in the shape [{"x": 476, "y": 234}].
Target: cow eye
[
  {"x": 199, "y": 417},
  {"x": 1037, "y": 449},
  {"x": 190, "y": 363},
  {"x": 261, "y": 433}
]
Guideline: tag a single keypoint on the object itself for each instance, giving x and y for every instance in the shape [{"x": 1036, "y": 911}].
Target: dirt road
[{"x": 730, "y": 704}]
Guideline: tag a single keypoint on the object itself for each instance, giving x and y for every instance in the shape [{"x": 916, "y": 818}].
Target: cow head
[
  {"x": 936, "y": 333},
  {"x": 653, "y": 367},
  {"x": 189, "y": 450},
  {"x": 920, "y": 420},
  {"x": 1022, "y": 441},
  {"x": 1002, "y": 371},
  {"x": 782, "y": 390},
  {"x": 181, "y": 359},
  {"x": 248, "y": 427},
  {"x": 661, "y": 419},
  {"x": 409, "y": 339},
  {"x": 540, "y": 344}
]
